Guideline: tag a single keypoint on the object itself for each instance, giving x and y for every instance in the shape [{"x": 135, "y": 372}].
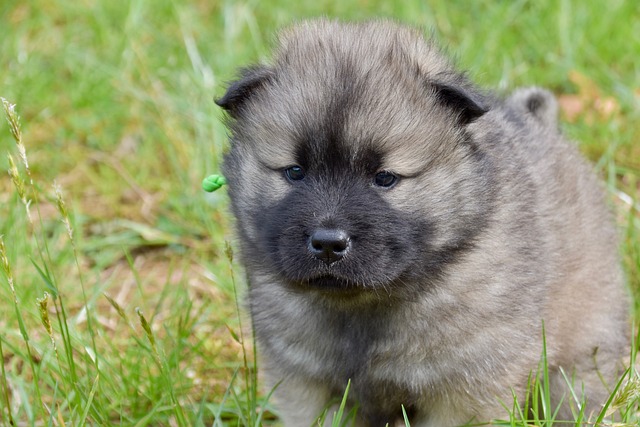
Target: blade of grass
[
  {"x": 89, "y": 401},
  {"x": 5, "y": 386}
]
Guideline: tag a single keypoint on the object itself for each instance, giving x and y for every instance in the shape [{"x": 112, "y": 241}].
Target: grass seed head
[
  {"x": 13, "y": 119},
  {"x": 43, "y": 308},
  {"x": 146, "y": 326},
  {"x": 117, "y": 307},
  {"x": 19, "y": 185},
  {"x": 6, "y": 267},
  {"x": 16, "y": 179},
  {"x": 228, "y": 251},
  {"x": 14, "y": 125},
  {"x": 62, "y": 208},
  {"x": 627, "y": 395}
]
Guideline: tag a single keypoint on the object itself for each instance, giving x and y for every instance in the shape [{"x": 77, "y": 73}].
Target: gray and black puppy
[{"x": 403, "y": 230}]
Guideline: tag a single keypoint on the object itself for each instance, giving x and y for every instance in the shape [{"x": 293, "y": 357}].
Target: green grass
[{"x": 115, "y": 100}]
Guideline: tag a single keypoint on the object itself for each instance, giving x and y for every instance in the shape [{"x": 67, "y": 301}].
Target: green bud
[{"x": 213, "y": 182}]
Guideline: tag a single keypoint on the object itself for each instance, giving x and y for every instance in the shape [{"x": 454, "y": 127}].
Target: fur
[{"x": 437, "y": 298}]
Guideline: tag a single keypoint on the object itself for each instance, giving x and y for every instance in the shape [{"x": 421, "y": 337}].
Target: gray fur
[{"x": 495, "y": 226}]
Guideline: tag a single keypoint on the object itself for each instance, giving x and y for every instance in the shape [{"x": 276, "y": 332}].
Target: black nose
[{"x": 329, "y": 245}]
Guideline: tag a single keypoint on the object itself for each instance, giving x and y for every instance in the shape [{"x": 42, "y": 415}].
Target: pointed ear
[
  {"x": 251, "y": 79},
  {"x": 468, "y": 105}
]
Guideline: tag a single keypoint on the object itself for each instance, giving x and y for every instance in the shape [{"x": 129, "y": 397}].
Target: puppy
[{"x": 408, "y": 232}]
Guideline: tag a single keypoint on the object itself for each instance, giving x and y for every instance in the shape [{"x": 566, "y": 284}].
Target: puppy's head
[{"x": 352, "y": 165}]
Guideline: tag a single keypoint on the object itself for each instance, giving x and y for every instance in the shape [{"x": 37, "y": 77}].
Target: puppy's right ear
[
  {"x": 466, "y": 103},
  {"x": 251, "y": 79}
]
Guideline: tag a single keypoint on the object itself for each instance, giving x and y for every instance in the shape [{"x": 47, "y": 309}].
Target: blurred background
[{"x": 116, "y": 108}]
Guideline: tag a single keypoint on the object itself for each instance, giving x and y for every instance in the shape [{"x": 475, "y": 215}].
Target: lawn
[{"x": 108, "y": 237}]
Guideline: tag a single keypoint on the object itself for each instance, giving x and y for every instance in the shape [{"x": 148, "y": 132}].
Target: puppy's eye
[
  {"x": 294, "y": 173},
  {"x": 385, "y": 179}
]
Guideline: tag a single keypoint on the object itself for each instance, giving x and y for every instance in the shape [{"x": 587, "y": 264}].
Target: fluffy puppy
[{"x": 408, "y": 232}]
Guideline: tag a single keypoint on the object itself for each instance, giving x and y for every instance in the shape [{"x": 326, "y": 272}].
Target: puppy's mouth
[{"x": 329, "y": 283}]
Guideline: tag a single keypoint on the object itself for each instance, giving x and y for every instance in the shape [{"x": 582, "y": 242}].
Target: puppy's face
[{"x": 352, "y": 175}]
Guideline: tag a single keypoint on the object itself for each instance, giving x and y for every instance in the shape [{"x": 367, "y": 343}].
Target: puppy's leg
[
  {"x": 301, "y": 403},
  {"x": 588, "y": 381}
]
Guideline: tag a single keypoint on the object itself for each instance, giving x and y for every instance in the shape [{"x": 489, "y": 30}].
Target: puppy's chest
[{"x": 335, "y": 347}]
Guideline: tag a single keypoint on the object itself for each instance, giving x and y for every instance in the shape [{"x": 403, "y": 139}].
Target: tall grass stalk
[
  {"x": 165, "y": 371},
  {"x": 6, "y": 268},
  {"x": 251, "y": 415},
  {"x": 28, "y": 194},
  {"x": 5, "y": 388},
  {"x": 64, "y": 214}
]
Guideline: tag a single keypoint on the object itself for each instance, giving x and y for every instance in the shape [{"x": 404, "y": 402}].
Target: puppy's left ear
[
  {"x": 250, "y": 81},
  {"x": 467, "y": 104}
]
